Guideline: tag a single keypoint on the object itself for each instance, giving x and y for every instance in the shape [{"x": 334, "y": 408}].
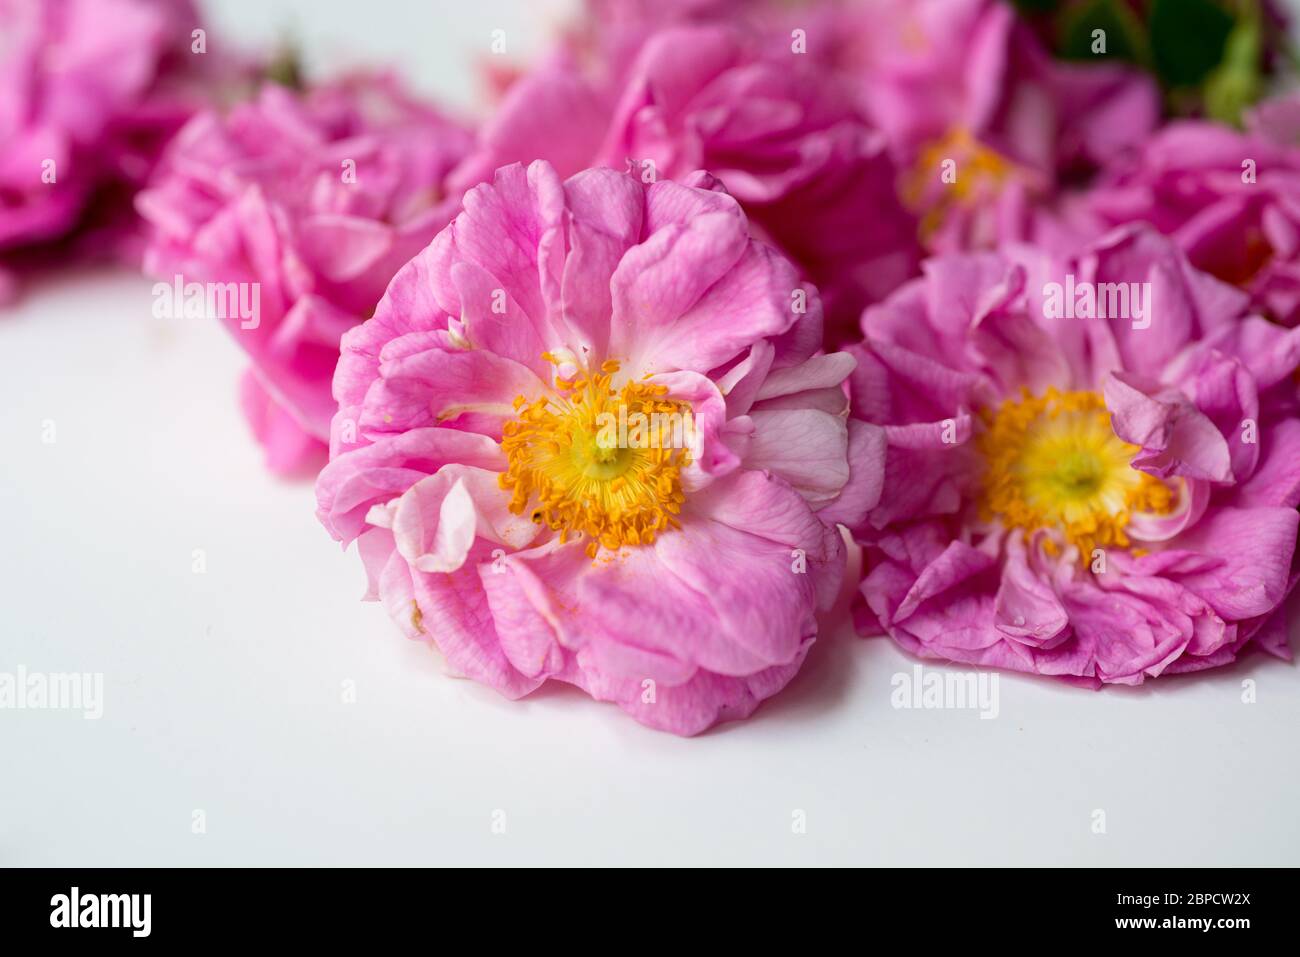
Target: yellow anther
[
  {"x": 577, "y": 467},
  {"x": 1054, "y": 461}
]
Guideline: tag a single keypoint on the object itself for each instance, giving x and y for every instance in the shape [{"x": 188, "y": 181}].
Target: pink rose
[
  {"x": 315, "y": 200},
  {"x": 503, "y": 511}
]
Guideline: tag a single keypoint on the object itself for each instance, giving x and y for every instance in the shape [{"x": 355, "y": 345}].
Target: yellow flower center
[
  {"x": 953, "y": 171},
  {"x": 1054, "y": 461},
  {"x": 598, "y": 462}
]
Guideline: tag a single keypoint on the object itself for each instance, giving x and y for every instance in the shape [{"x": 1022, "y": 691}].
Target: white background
[{"x": 223, "y": 691}]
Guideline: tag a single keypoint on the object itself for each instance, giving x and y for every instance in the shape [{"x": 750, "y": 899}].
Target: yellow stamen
[
  {"x": 1054, "y": 461},
  {"x": 568, "y": 456},
  {"x": 977, "y": 173}
]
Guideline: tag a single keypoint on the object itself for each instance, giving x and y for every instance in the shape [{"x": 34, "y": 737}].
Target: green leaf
[
  {"x": 1236, "y": 83},
  {"x": 1036, "y": 6},
  {"x": 285, "y": 68},
  {"x": 1188, "y": 38},
  {"x": 1125, "y": 36}
]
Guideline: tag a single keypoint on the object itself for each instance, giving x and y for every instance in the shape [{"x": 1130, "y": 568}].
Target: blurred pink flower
[
  {"x": 986, "y": 126},
  {"x": 89, "y": 92},
  {"x": 1099, "y": 499},
  {"x": 499, "y": 514},
  {"x": 317, "y": 199},
  {"x": 784, "y": 136},
  {"x": 1230, "y": 199}
]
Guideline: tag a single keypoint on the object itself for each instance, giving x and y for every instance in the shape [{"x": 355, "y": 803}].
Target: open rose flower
[
  {"x": 89, "y": 91},
  {"x": 1099, "y": 499},
  {"x": 314, "y": 200},
  {"x": 986, "y": 127},
  {"x": 785, "y": 137},
  {"x": 1230, "y": 199},
  {"x": 496, "y": 458}
]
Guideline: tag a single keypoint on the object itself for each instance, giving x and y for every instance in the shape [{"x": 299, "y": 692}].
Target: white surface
[
  {"x": 439, "y": 46},
  {"x": 223, "y": 691}
]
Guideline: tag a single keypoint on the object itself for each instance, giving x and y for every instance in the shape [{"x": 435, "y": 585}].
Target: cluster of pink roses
[
  {"x": 90, "y": 93},
  {"x": 901, "y": 273}
]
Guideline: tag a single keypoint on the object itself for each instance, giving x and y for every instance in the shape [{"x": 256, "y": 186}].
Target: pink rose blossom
[
  {"x": 318, "y": 198},
  {"x": 784, "y": 136},
  {"x": 89, "y": 91},
  {"x": 498, "y": 520},
  {"x": 964, "y": 88},
  {"x": 1099, "y": 499},
  {"x": 1230, "y": 199}
]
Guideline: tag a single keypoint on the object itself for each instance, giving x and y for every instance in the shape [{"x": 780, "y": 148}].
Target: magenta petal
[
  {"x": 1026, "y": 607},
  {"x": 290, "y": 449},
  {"x": 1255, "y": 547},
  {"x": 696, "y": 704},
  {"x": 1175, "y": 437}
]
